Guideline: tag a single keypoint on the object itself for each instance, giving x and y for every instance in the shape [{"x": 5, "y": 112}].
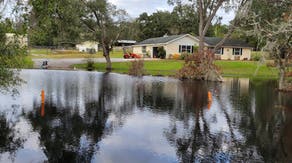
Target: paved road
[{"x": 66, "y": 63}]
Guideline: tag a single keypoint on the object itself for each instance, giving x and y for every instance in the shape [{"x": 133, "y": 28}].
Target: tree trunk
[
  {"x": 282, "y": 79},
  {"x": 106, "y": 55}
]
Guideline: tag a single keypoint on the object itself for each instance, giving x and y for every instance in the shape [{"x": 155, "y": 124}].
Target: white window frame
[
  {"x": 237, "y": 51},
  {"x": 220, "y": 50},
  {"x": 186, "y": 48}
]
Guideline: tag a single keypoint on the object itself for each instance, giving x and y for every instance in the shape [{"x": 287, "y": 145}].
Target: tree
[
  {"x": 11, "y": 53},
  {"x": 271, "y": 23},
  {"x": 54, "y": 22},
  {"x": 103, "y": 21},
  {"x": 155, "y": 25},
  {"x": 202, "y": 66}
]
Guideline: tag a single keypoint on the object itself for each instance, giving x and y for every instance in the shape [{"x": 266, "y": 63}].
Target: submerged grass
[{"x": 249, "y": 69}]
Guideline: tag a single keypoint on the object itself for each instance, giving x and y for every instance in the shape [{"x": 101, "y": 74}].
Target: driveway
[{"x": 66, "y": 63}]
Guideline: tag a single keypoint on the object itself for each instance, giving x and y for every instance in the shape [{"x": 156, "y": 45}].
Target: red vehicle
[{"x": 131, "y": 55}]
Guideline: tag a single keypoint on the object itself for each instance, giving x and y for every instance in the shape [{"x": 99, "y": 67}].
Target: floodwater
[{"x": 111, "y": 118}]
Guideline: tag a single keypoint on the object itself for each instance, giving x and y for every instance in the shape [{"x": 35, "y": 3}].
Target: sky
[{"x": 136, "y": 7}]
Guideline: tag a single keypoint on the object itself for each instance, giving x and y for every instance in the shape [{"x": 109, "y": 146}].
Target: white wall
[
  {"x": 246, "y": 53},
  {"x": 173, "y": 47},
  {"x": 87, "y": 45},
  {"x": 138, "y": 50}
]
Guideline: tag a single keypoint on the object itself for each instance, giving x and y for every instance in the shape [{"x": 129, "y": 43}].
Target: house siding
[
  {"x": 228, "y": 54},
  {"x": 173, "y": 47}
]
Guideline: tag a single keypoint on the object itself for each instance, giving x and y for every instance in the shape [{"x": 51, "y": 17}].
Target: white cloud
[{"x": 136, "y": 7}]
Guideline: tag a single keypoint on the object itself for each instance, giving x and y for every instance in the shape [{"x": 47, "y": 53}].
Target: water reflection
[{"x": 96, "y": 117}]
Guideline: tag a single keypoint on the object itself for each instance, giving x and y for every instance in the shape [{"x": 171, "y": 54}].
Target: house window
[
  {"x": 237, "y": 51},
  {"x": 186, "y": 48},
  {"x": 220, "y": 51},
  {"x": 143, "y": 49}
]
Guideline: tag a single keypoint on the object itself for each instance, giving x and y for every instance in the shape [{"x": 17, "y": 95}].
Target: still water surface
[{"x": 97, "y": 117}]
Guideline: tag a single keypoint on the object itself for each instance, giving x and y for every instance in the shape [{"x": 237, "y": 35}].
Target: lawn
[
  {"x": 56, "y": 54},
  {"x": 170, "y": 67},
  {"x": 157, "y": 68},
  {"x": 246, "y": 69}
]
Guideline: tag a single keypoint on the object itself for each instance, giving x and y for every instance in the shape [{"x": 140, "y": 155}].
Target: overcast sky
[{"x": 136, "y": 7}]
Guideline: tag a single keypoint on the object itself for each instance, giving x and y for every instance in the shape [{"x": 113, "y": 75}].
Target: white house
[
  {"x": 87, "y": 46},
  {"x": 178, "y": 44}
]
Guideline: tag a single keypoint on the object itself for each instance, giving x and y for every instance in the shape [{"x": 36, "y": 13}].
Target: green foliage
[
  {"x": 54, "y": 22},
  {"x": 183, "y": 19},
  {"x": 196, "y": 48},
  {"x": 90, "y": 64},
  {"x": 256, "y": 56},
  {"x": 184, "y": 55},
  {"x": 12, "y": 56},
  {"x": 161, "y": 52}
]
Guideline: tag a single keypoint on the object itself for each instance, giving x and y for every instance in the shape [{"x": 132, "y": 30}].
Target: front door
[{"x": 155, "y": 52}]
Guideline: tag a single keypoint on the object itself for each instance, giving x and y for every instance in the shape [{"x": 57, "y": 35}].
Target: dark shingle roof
[
  {"x": 212, "y": 41},
  {"x": 160, "y": 40}
]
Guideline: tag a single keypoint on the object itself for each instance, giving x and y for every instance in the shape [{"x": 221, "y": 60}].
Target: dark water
[{"x": 96, "y": 117}]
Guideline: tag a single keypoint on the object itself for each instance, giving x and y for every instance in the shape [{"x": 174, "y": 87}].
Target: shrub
[
  {"x": 137, "y": 68},
  {"x": 90, "y": 64},
  {"x": 176, "y": 56},
  {"x": 200, "y": 67},
  {"x": 196, "y": 48},
  {"x": 161, "y": 52},
  {"x": 256, "y": 56},
  {"x": 184, "y": 55}
]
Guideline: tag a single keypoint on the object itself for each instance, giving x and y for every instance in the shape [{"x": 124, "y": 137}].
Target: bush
[
  {"x": 176, "y": 56},
  {"x": 137, "y": 68},
  {"x": 161, "y": 52},
  {"x": 196, "y": 48},
  {"x": 184, "y": 55},
  {"x": 256, "y": 56},
  {"x": 90, "y": 64}
]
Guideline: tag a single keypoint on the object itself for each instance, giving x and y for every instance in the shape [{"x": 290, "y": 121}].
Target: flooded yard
[{"x": 99, "y": 117}]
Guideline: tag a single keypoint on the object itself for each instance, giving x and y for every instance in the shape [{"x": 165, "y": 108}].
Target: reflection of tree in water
[
  {"x": 267, "y": 122},
  {"x": 264, "y": 130},
  {"x": 8, "y": 140},
  {"x": 196, "y": 142},
  {"x": 68, "y": 136}
]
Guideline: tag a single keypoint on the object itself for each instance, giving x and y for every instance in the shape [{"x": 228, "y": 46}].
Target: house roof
[
  {"x": 213, "y": 41},
  {"x": 127, "y": 41},
  {"x": 160, "y": 40},
  {"x": 209, "y": 41}
]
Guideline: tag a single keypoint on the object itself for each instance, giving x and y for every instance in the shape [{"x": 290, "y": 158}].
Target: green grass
[
  {"x": 28, "y": 63},
  {"x": 170, "y": 67},
  {"x": 158, "y": 68},
  {"x": 246, "y": 69},
  {"x": 56, "y": 54}
]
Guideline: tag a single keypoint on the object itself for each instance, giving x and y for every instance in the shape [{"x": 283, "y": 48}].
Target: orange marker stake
[
  {"x": 43, "y": 103},
  {"x": 43, "y": 96},
  {"x": 209, "y": 99},
  {"x": 209, "y": 96}
]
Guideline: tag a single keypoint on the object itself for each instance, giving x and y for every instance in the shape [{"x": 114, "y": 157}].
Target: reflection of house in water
[{"x": 239, "y": 84}]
